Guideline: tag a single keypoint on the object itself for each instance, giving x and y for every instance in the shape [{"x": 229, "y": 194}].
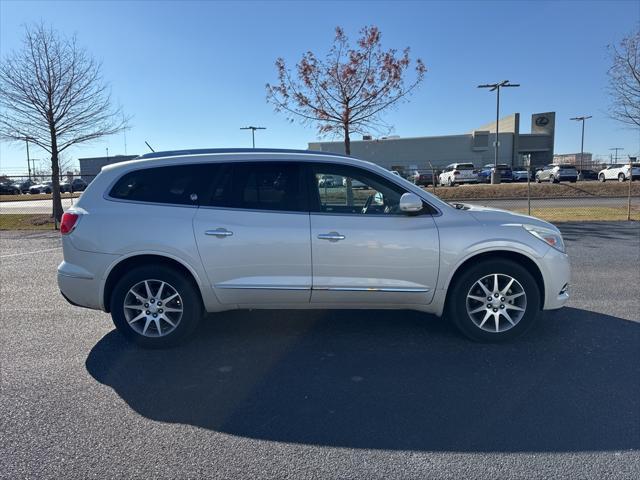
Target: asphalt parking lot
[{"x": 324, "y": 394}]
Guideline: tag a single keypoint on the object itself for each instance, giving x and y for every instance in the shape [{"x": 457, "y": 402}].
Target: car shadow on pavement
[{"x": 390, "y": 380}]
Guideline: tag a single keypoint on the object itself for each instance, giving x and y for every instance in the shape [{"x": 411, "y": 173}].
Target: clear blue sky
[{"x": 191, "y": 73}]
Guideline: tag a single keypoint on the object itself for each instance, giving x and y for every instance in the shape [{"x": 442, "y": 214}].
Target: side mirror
[{"x": 410, "y": 203}]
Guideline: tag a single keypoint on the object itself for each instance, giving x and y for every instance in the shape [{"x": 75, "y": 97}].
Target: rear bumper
[
  {"x": 465, "y": 180},
  {"x": 80, "y": 275}
]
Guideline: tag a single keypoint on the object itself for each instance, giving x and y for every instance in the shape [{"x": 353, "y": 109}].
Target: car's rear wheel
[
  {"x": 552, "y": 179},
  {"x": 494, "y": 301},
  {"x": 621, "y": 177},
  {"x": 155, "y": 306}
]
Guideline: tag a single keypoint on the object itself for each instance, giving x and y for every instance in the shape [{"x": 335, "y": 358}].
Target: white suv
[
  {"x": 620, "y": 172},
  {"x": 458, "y": 173},
  {"x": 160, "y": 240}
]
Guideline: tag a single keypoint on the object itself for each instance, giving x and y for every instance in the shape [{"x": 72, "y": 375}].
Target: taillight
[
  {"x": 456, "y": 172},
  {"x": 69, "y": 221}
]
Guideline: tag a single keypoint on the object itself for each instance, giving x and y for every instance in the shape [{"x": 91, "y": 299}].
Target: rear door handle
[
  {"x": 331, "y": 236},
  {"x": 219, "y": 232}
]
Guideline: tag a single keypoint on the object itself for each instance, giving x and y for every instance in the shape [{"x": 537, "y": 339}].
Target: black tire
[
  {"x": 456, "y": 308},
  {"x": 538, "y": 179},
  {"x": 191, "y": 304},
  {"x": 552, "y": 179},
  {"x": 621, "y": 177},
  {"x": 601, "y": 178},
  {"x": 450, "y": 182}
]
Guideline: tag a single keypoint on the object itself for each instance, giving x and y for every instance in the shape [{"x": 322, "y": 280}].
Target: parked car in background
[
  {"x": 506, "y": 174},
  {"x": 41, "y": 188},
  {"x": 354, "y": 183},
  {"x": 77, "y": 185},
  {"x": 421, "y": 177},
  {"x": 8, "y": 188},
  {"x": 251, "y": 229},
  {"x": 588, "y": 174},
  {"x": 326, "y": 181},
  {"x": 26, "y": 185},
  {"x": 620, "y": 172},
  {"x": 458, "y": 173},
  {"x": 520, "y": 175},
  {"x": 555, "y": 173}
]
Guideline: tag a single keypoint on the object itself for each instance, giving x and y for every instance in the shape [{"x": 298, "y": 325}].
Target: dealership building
[{"x": 476, "y": 147}]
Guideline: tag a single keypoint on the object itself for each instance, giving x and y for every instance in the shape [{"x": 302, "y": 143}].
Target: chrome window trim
[{"x": 332, "y": 161}]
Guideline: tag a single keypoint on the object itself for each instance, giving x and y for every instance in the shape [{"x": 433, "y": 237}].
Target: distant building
[
  {"x": 574, "y": 159},
  {"x": 476, "y": 147},
  {"x": 90, "y": 167}
]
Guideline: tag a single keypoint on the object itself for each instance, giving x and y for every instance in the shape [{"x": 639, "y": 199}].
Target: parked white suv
[
  {"x": 620, "y": 172},
  {"x": 458, "y": 173},
  {"x": 159, "y": 240}
]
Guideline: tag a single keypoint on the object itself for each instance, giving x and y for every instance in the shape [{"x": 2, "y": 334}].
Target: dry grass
[
  {"x": 538, "y": 190},
  {"x": 38, "y": 196},
  {"x": 26, "y": 221},
  {"x": 578, "y": 214}
]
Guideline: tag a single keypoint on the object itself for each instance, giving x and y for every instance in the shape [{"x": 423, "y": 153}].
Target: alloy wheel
[
  {"x": 153, "y": 308},
  {"x": 496, "y": 303}
]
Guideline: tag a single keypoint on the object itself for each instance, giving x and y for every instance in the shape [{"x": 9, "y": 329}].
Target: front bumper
[{"x": 556, "y": 272}]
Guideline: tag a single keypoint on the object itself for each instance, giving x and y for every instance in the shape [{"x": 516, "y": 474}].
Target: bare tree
[
  {"x": 52, "y": 94},
  {"x": 348, "y": 91},
  {"x": 624, "y": 80}
]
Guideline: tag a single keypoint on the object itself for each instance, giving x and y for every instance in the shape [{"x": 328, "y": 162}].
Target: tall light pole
[
  {"x": 581, "y": 119},
  {"x": 253, "y": 133},
  {"x": 28, "y": 158},
  {"x": 495, "y": 174},
  {"x": 616, "y": 150}
]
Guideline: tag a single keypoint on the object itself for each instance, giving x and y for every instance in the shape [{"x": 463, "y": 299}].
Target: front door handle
[
  {"x": 331, "y": 236},
  {"x": 219, "y": 232}
]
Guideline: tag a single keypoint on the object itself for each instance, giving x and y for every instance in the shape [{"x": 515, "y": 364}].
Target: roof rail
[{"x": 202, "y": 151}]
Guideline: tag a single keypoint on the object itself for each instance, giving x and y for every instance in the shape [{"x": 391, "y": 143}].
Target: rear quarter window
[{"x": 171, "y": 184}]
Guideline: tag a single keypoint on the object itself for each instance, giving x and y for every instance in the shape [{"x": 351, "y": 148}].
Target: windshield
[{"x": 465, "y": 166}]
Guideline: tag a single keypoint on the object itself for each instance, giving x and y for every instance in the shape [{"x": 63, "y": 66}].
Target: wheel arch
[
  {"x": 517, "y": 257},
  {"x": 138, "y": 260}
]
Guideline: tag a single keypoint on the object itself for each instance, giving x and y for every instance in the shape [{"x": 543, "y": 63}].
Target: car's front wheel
[
  {"x": 601, "y": 177},
  {"x": 155, "y": 306},
  {"x": 494, "y": 301}
]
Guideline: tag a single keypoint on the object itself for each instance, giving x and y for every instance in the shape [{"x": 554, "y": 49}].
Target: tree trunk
[
  {"x": 347, "y": 150},
  {"x": 55, "y": 173},
  {"x": 347, "y": 141}
]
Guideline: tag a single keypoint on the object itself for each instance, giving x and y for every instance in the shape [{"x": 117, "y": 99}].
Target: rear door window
[{"x": 258, "y": 186}]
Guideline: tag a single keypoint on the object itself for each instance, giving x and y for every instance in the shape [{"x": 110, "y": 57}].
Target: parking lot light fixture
[
  {"x": 495, "y": 174},
  {"x": 253, "y": 133},
  {"x": 581, "y": 119}
]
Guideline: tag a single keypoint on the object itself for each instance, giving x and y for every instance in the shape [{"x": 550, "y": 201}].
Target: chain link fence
[{"x": 25, "y": 204}]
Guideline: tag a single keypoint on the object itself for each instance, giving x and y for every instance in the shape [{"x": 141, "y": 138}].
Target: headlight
[{"x": 550, "y": 237}]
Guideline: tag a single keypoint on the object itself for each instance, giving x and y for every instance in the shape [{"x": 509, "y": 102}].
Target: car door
[
  {"x": 252, "y": 232},
  {"x": 364, "y": 250}
]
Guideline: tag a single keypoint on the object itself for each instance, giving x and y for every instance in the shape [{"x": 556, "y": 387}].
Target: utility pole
[
  {"x": 616, "y": 149},
  {"x": 28, "y": 158},
  {"x": 581, "y": 119},
  {"x": 495, "y": 174},
  {"x": 253, "y": 133}
]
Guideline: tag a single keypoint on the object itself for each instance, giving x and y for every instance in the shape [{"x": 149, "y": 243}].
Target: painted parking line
[{"x": 30, "y": 253}]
